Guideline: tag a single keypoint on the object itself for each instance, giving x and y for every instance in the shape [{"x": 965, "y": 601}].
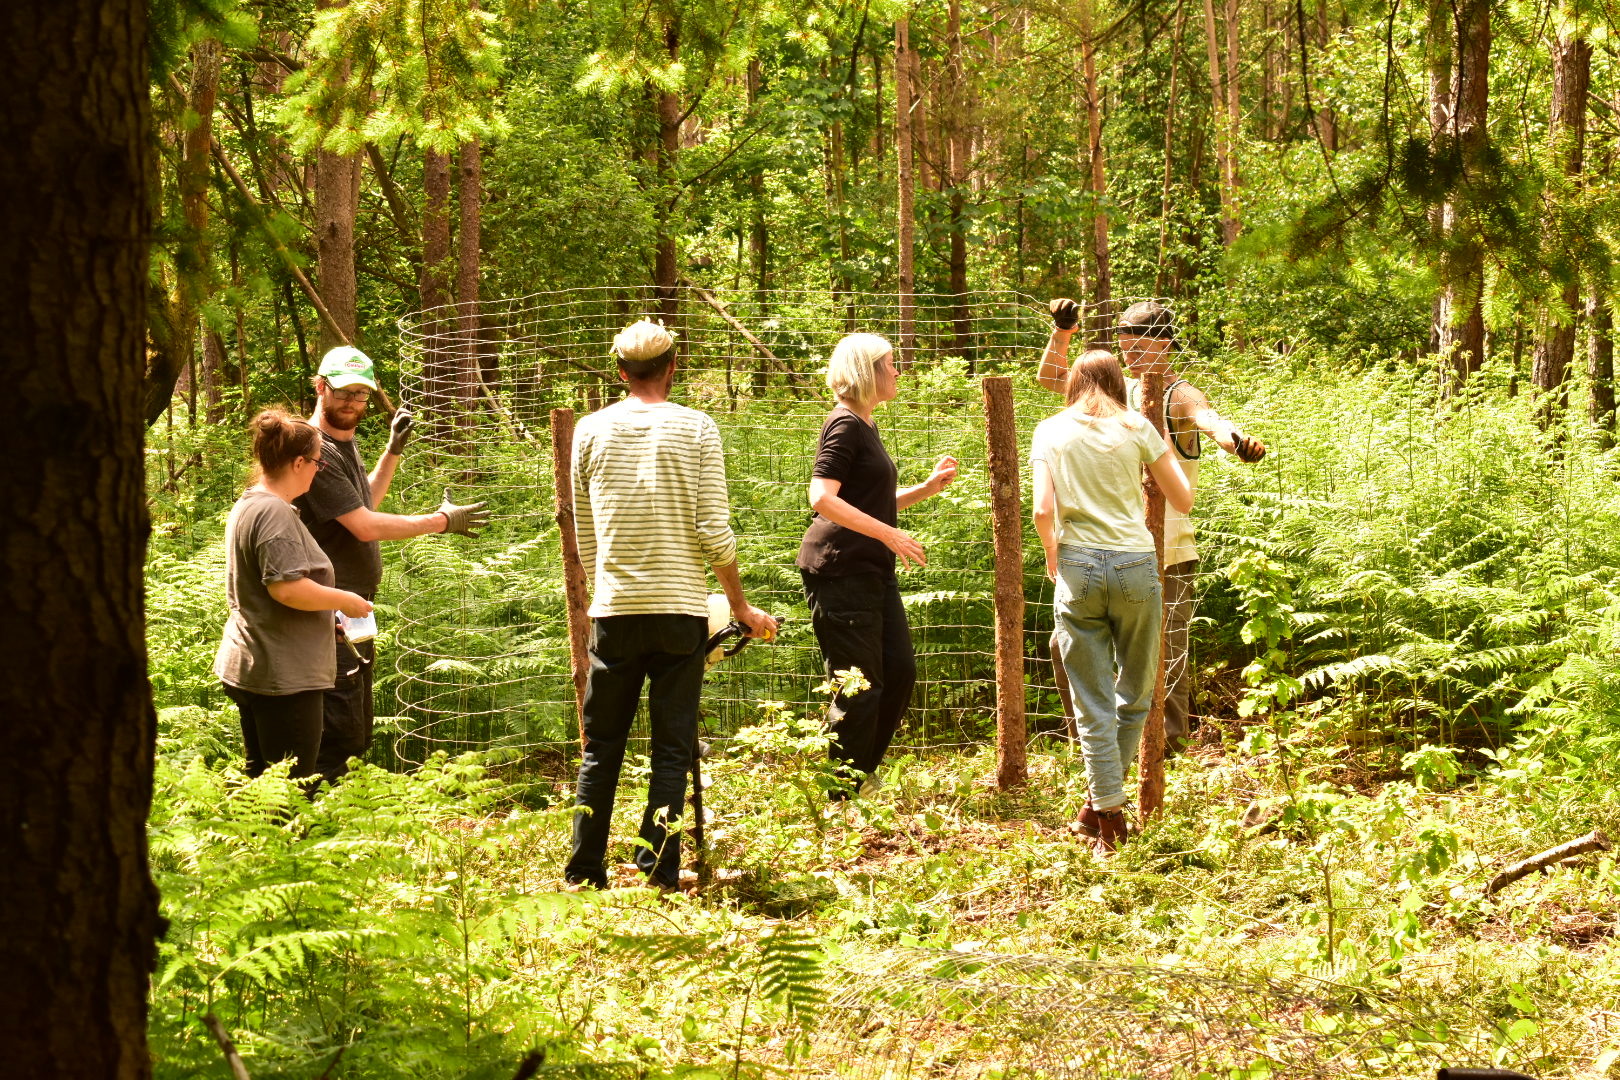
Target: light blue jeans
[{"x": 1108, "y": 612}]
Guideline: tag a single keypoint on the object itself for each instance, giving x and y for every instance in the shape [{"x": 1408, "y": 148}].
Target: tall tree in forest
[
  {"x": 178, "y": 291},
  {"x": 79, "y": 905},
  {"x": 337, "y": 200},
  {"x": 906, "y": 223},
  {"x": 1096, "y": 167},
  {"x": 469, "y": 237},
  {"x": 1223, "y": 109},
  {"x": 955, "y": 134},
  {"x": 668, "y": 56},
  {"x": 422, "y": 69},
  {"x": 1462, "y": 311},
  {"x": 1566, "y": 130}
]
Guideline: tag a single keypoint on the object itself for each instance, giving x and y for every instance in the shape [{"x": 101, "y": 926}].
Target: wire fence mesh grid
[{"x": 482, "y": 652}]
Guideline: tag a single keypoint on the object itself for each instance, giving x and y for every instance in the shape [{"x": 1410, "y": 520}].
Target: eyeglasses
[
  {"x": 348, "y": 395},
  {"x": 319, "y": 463}
]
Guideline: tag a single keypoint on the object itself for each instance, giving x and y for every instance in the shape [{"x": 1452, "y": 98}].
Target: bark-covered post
[
  {"x": 78, "y": 902},
  {"x": 1001, "y": 438},
  {"x": 1150, "y": 758},
  {"x": 562, "y": 478}
]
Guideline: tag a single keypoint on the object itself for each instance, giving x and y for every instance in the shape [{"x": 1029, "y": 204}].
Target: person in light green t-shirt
[{"x": 1087, "y": 463}]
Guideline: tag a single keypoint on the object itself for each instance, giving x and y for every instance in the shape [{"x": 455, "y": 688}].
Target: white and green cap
[{"x": 347, "y": 366}]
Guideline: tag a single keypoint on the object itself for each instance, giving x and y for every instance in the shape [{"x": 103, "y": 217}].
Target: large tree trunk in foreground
[{"x": 76, "y": 896}]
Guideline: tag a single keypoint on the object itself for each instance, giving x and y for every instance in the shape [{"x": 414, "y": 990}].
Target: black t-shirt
[
  {"x": 338, "y": 489},
  {"x": 851, "y": 453}
]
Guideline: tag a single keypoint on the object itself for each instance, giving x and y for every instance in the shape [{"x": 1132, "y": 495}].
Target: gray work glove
[
  {"x": 1065, "y": 313},
  {"x": 463, "y": 520},
  {"x": 399, "y": 430}
]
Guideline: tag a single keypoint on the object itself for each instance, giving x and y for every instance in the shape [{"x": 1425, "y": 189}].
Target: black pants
[
  {"x": 280, "y": 726},
  {"x": 627, "y": 650},
  {"x": 349, "y": 710},
  {"x": 861, "y": 623}
]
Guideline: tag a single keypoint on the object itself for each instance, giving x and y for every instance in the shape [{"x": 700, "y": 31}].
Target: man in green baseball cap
[{"x": 340, "y": 511}]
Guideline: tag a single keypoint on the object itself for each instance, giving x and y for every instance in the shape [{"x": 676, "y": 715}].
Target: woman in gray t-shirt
[
  {"x": 1088, "y": 511},
  {"x": 276, "y": 656}
]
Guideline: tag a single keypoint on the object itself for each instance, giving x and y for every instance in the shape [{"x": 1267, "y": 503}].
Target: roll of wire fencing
[{"x": 482, "y": 648}]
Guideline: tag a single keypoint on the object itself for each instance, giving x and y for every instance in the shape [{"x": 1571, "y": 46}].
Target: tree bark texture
[
  {"x": 906, "y": 196},
  {"x": 1566, "y": 130},
  {"x": 76, "y": 894},
  {"x": 1097, "y": 180},
  {"x": 1001, "y": 437},
  {"x": 1600, "y": 363},
  {"x": 433, "y": 286},
  {"x": 575, "y": 588},
  {"x": 955, "y": 135},
  {"x": 1462, "y": 326},
  {"x": 469, "y": 233},
  {"x": 1223, "y": 130},
  {"x": 1150, "y": 756},
  {"x": 1169, "y": 145},
  {"x": 337, "y": 201},
  {"x": 666, "y": 268},
  {"x": 172, "y": 350},
  {"x": 1439, "y": 38}
]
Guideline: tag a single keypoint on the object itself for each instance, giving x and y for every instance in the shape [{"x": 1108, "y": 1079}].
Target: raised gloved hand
[
  {"x": 1065, "y": 313},
  {"x": 1247, "y": 448},
  {"x": 399, "y": 430},
  {"x": 463, "y": 520}
]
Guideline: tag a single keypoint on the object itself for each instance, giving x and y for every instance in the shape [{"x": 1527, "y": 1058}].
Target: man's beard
[{"x": 341, "y": 421}]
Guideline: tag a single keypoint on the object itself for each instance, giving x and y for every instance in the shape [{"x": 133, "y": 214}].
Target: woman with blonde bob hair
[
  {"x": 1088, "y": 511},
  {"x": 847, "y": 559}
]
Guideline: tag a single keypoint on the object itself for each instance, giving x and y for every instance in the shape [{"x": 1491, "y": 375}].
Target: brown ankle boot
[
  {"x": 1089, "y": 824},
  {"x": 1111, "y": 832}
]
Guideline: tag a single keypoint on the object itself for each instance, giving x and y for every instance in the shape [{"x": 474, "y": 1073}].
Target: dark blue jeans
[
  {"x": 626, "y": 651},
  {"x": 860, "y": 622}
]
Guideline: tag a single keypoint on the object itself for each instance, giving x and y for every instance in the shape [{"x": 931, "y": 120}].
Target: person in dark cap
[
  {"x": 1146, "y": 334},
  {"x": 340, "y": 511}
]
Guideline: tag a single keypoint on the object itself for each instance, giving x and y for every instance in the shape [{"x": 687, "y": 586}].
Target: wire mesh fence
[{"x": 482, "y": 655}]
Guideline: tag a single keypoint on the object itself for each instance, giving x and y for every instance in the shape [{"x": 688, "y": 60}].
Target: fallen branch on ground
[{"x": 1592, "y": 841}]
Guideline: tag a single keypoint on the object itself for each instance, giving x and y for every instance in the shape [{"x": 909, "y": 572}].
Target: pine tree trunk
[
  {"x": 759, "y": 241},
  {"x": 1096, "y": 174},
  {"x": 1462, "y": 335},
  {"x": 1566, "y": 130},
  {"x": 666, "y": 268},
  {"x": 1234, "y": 121},
  {"x": 906, "y": 196},
  {"x": 954, "y": 135},
  {"x": 1600, "y": 363},
  {"x": 1169, "y": 145},
  {"x": 192, "y": 258},
  {"x": 469, "y": 232},
  {"x": 433, "y": 287},
  {"x": 1439, "y": 61},
  {"x": 78, "y": 904},
  {"x": 1223, "y": 130}
]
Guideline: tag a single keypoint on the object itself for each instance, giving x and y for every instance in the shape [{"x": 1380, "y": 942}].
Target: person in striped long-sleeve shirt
[{"x": 650, "y": 512}]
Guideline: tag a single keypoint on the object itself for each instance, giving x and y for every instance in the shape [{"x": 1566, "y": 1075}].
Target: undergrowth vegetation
[{"x": 1407, "y": 663}]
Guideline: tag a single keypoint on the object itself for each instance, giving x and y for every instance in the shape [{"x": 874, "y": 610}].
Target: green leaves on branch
[{"x": 383, "y": 69}]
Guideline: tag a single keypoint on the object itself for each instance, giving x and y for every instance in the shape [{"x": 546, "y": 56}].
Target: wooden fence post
[
  {"x": 562, "y": 478},
  {"x": 1150, "y": 758},
  {"x": 1001, "y": 437}
]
